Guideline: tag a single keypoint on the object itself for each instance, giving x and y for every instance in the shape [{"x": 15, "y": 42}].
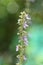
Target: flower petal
[
  {"x": 17, "y": 48},
  {"x": 28, "y": 17}
]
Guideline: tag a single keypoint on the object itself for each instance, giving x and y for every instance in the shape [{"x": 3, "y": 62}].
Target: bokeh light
[
  {"x": 5, "y": 2},
  {"x": 12, "y": 7}
]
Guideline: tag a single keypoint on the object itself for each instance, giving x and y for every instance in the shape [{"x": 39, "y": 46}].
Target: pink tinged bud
[
  {"x": 28, "y": 17},
  {"x": 25, "y": 40},
  {"x": 25, "y": 25},
  {"x": 17, "y": 48},
  {"x": 19, "y": 41},
  {"x": 26, "y": 43}
]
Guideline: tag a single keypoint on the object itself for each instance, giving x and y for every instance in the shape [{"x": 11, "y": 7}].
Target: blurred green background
[{"x": 9, "y": 14}]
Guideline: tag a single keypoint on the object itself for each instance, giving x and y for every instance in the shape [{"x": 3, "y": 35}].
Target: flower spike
[{"x": 23, "y": 20}]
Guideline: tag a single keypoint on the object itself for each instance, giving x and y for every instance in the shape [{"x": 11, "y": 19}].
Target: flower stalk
[{"x": 23, "y": 23}]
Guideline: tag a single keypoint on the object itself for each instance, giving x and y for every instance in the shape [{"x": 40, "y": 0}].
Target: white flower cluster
[{"x": 23, "y": 23}]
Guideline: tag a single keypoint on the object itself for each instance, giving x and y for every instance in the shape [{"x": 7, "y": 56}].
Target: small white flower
[
  {"x": 17, "y": 64},
  {"x": 24, "y": 58},
  {"x": 17, "y": 48},
  {"x": 25, "y": 40},
  {"x": 19, "y": 41},
  {"x": 18, "y": 56},
  {"x": 25, "y": 25},
  {"x": 26, "y": 43},
  {"x": 25, "y": 33},
  {"x": 22, "y": 13},
  {"x": 21, "y": 16},
  {"x": 27, "y": 17},
  {"x": 19, "y": 21},
  {"x": 18, "y": 33}
]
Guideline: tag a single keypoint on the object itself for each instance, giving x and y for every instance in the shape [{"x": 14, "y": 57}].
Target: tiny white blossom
[
  {"x": 25, "y": 58},
  {"x": 19, "y": 21},
  {"x": 25, "y": 40},
  {"x": 22, "y": 13},
  {"x": 18, "y": 56},
  {"x": 25, "y": 25},
  {"x": 17, "y": 48},
  {"x": 18, "y": 33},
  {"x": 19, "y": 41},
  {"x": 27, "y": 17},
  {"x": 26, "y": 43}
]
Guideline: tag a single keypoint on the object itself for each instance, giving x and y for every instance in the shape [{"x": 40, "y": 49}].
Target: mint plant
[{"x": 23, "y": 22}]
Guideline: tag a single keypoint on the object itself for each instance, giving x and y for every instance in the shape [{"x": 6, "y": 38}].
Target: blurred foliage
[
  {"x": 9, "y": 11},
  {"x": 8, "y": 21}
]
